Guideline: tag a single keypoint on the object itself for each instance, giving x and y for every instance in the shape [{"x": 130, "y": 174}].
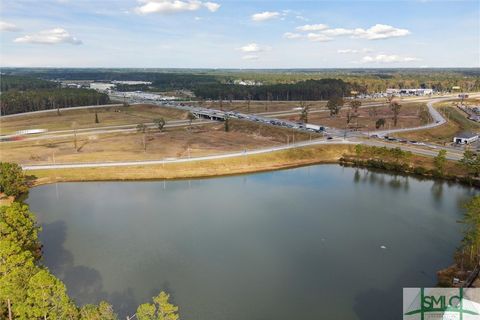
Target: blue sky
[{"x": 239, "y": 34}]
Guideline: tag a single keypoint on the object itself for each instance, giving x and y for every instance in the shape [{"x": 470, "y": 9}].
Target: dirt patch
[
  {"x": 178, "y": 142},
  {"x": 85, "y": 118}
]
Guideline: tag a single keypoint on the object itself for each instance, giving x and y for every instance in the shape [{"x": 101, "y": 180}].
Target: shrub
[{"x": 12, "y": 179}]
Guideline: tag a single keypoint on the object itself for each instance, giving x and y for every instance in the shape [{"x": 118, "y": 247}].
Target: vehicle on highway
[
  {"x": 30, "y": 131},
  {"x": 314, "y": 127}
]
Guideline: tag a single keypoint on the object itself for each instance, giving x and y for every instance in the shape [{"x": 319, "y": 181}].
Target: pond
[{"x": 318, "y": 242}]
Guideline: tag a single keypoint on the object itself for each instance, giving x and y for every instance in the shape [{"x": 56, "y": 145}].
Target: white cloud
[
  {"x": 52, "y": 36},
  {"x": 250, "y": 57},
  {"x": 7, "y": 26},
  {"x": 211, "y": 6},
  {"x": 263, "y": 16},
  {"x": 318, "y": 37},
  {"x": 312, "y": 27},
  {"x": 292, "y": 35},
  {"x": 338, "y": 32},
  {"x": 251, "y": 47},
  {"x": 347, "y": 51},
  {"x": 173, "y": 6},
  {"x": 344, "y": 51},
  {"x": 380, "y": 31},
  {"x": 384, "y": 58},
  {"x": 300, "y": 17},
  {"x": 376, "y": 32}
]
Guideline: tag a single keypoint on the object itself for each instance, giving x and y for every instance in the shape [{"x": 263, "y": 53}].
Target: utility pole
[
  {"x": 74, "y": 126},
  {"x": 144, "y": 141},
  {"x": 56, "y": 177}
]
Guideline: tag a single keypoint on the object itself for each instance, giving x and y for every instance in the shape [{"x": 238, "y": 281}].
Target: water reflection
[
  {"x": 394, "y": 181},
  {"x": 279, "y": 245},
  {"x": 84, "y": 283}
]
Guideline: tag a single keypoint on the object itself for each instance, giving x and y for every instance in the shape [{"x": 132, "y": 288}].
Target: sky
[{"x": 239, "y": 34}]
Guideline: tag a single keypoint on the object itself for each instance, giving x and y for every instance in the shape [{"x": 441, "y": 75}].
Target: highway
[
  {"x": 105, "y": 130},
  {"x": 181, "y": 160},
  {"x": 438, "y": 120},
  {"x": 336, "y": 134},
  {"x": 265, "y": 117}
]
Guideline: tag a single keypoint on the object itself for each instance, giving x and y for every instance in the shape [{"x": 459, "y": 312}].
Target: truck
[
  {"x": 314, "y": 127},
  {"x": 30, "y": 131}
]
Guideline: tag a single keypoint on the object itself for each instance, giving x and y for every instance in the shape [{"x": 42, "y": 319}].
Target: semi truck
[
  {"x": 30, "y": 131},
  {"x": 314, "y": 127}
]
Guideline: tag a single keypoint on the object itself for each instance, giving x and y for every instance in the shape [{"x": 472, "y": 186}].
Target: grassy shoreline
[{"x": 277, "y": 160}]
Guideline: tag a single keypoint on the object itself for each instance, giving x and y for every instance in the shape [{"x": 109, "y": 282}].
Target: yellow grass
[
  {"x": 207, "y": 168},
  {"x": 409, "y": 117},
  {"x": 173, "y": 143},
  {"x": 85, "y": 118},
  {"x": 457, "y": 122}
]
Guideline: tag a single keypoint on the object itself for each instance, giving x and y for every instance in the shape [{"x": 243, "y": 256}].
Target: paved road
[
  {"x": 106, "y": 130},
  {"x": 176, "y": 123},
  {"x": 180, "y": 160},
  {"x": 437, "y": 117},
  {"x": 425, "y": 151},
  {"x": 438, "y": 120},
  {"x": 61, "y": 109}
]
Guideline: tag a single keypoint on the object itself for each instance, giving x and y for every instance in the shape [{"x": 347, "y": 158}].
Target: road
[
  {"x": 55, "y": 110},
  {"x": 181, "y": 160},
  {"x": 106, "y": 130},
  {"x": 354, "y": 139},
  {"x": 438, "y": 120},
  {"x": 265, "y": 117}
]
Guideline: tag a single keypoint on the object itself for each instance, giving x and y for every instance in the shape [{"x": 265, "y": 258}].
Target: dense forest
[
  {"x": 15, "y": 101},
  {"x": 371, "y": 80},
  {"x": 303, "y": 90},
  {"x": 8, "y": 82},
  {"x": 160, "y": 80}
]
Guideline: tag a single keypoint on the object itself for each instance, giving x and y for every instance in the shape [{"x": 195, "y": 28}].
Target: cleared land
[
  {"x": 172, "y": 143},
  {"x": 238, "y": 165},
  {"x": 457, "y": 122},
  {"x": 85, "y": 118},
  {"x": 411, "y": 115},
  {"x": 208, "y": 168}
]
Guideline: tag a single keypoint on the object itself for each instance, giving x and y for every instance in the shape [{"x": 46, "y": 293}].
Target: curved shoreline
[{"x": 207, "y": 168}]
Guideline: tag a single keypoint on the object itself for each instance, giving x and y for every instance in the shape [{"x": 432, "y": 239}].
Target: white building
[
  {"x": 415, "y": 92},
  {"x": 465, "y": 138},
  {"x": 101, "y": 86}
]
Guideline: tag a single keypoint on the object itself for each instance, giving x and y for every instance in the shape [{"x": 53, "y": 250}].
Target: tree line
[
  {"x": 160, "y": 80},
  {"x": 14, "y": 101},
  {"x": 365, "y": 80},
  {"x": 27, "y": 289},
  {"x": 304, "y": 90},
  {"x": 22, "y": 83}
]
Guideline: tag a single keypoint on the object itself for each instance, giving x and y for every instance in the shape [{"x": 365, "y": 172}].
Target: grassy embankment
[
  {"x": 396, "y": 160},
  {"x": 208, "y": 168},
  {"x": 179, "y": 142},
  {"x": 85, "y": 118},
  {"x": 372, "y": 157},
  {"x": 457, "y": 122}
]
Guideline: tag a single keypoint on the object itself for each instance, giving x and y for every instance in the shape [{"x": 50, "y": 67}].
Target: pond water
[{"x": 319, "y": 242}]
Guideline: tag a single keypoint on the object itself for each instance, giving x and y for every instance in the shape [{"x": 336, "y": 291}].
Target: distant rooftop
[{"x": 466, "y": 135}]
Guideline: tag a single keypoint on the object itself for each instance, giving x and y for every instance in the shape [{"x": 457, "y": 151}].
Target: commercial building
[
  {"x": 410, "y": 92},
  {"x": 465, "y": 138},
  {"x": 101, "y": 86}
]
